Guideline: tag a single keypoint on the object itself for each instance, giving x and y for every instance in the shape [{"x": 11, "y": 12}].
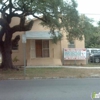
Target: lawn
[
  {"x": 49, "y": 73},
  {"x": 93, "y": 65}
]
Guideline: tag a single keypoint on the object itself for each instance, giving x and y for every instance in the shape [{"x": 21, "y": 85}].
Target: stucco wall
[
  {"x": 78, "y": 44},
  {"x": 17, "y": 53},
  {"x": 20, "y": 52},
  {"x": 38, "y": 27},
  {"x": 56, "y": 50},
  {"x": 53, "y": 59}
]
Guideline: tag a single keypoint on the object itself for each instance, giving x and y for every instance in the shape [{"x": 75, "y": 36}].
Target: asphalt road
[{"x": 49, "y": 89}]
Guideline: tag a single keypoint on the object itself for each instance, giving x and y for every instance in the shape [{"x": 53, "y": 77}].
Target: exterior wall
[
  {"x": 55, "y": 50},
  {"x": 38, "y": 27},
  {"x": 78, "y": 44},
  {"x": 53, "y": 59},
  {"x": 18, "y": 53}
]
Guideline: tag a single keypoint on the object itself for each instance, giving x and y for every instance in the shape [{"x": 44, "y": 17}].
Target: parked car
[
  {"x": 95, "y": 58},
  {"x": 92, "y": 50}
]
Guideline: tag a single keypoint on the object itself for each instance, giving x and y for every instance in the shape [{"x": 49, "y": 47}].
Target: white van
[{"x": 91, "y": 51}]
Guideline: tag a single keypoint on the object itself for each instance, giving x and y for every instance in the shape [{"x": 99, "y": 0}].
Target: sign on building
[{"x": 74, "y": 54}]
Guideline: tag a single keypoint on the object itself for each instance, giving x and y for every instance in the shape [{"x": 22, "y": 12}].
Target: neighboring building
[{"x": 39, "y": 47}]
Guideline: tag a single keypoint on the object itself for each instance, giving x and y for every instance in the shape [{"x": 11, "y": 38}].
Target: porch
[{"x": 40, "y": 51}]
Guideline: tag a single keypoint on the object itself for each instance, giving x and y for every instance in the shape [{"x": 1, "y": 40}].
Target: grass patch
[
  {"x": 11, "y": 74},
  {"x": 48, "y": 73},
  {"x": 93, "y": 65},
  {"x": 87, "y": 65}
]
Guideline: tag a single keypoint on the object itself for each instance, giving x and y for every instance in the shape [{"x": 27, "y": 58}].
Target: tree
[
  {"x": 88, "y": 29},
  {"x": 91, "y": 32},
  {"x": 94, "y": 39},
  {"x": 51, "y": 10}
]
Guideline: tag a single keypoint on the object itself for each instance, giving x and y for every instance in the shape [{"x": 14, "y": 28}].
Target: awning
[{"x": 37, "y": 35}]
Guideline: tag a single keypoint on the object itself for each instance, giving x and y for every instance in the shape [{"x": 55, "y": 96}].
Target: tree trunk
[
  {"x": 6, "y": 52},
  {"x": 7, "y": 59},
  {"x": 7, "y": 32}
]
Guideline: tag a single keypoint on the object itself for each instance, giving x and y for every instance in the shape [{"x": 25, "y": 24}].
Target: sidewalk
[
  {"x": 80, "y": 67},
  {"x": 74, "y": 67}
]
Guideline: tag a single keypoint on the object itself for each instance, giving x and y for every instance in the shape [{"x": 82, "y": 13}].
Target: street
[{"x": 49, "y": 89}]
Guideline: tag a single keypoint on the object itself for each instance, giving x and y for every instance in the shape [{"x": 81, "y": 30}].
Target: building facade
[{"x": 37, "y": 49}]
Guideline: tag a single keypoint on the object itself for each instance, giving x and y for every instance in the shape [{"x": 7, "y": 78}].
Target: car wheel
[{"x": 97, "y": 60}]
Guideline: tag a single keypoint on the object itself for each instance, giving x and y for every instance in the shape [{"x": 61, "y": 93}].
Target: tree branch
[
  {"x": 15, "y": 41},
  {"x": 5, "y": 28},
  {"x": 1, "y": 34},
  {"x": 26, "y": 27},
  {"x": 4, "y": 24},
  {"x": 39, "y": 18}
]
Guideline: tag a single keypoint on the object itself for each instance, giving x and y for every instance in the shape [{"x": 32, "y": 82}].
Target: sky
[{"x": 91, "y": 8}]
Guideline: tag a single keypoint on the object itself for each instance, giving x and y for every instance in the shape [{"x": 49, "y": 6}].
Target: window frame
[{"x": 71, "y": 44}]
